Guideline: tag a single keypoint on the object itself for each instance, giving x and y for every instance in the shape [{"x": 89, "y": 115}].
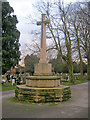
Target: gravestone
[{"x": 43, "y": 86}]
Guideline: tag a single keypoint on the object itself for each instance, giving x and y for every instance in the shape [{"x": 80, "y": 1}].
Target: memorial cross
[{"x": 43, "y": 38}]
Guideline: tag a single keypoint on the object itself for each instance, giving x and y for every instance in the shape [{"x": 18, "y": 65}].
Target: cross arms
[{"x": 45, "y": 21}]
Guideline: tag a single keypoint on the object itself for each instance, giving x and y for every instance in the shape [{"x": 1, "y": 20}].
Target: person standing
[
  {"x": 18, "y": 80},
  {"x": 13, "y": 80},
  {"x": 8, "y": 77}
]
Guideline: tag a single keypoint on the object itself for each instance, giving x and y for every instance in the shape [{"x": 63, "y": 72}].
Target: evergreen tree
[
  {"x": 30, "y": 61},
  {"x": 58, "y": 66},
  {"x": 10, "y": 38}
]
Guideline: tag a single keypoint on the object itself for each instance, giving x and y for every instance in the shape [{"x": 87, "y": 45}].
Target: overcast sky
[{"x": 22, "y": 9}]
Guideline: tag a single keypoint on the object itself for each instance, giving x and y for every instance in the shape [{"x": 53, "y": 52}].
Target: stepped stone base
[
  {"x": 43, "y": 81},
  {"x": 42, "y": 95}
]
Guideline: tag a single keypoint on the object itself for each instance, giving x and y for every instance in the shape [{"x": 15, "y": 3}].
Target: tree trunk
[
  {"x": 70, "y": 69},
  {"x": 69, "y": 53},
  {"x": 79, "y": 51},
  {"x": 88, "y": 56},
  {"x": 70, "y": 65},
  {"x": 80, "y": 57},
  {"x": 88, "y": 65}
]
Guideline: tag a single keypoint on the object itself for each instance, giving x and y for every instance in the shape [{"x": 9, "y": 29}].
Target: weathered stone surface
[
  {"x": 43, "y": 81},
  {"x": 56, "y": 94},
  {"x": 42, "y": 87},
  {"x": 43, "y": 23},
  {"x": 43, "y": 69}
]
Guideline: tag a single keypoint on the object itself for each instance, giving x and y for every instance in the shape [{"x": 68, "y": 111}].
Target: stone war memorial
[{"x": 43, "y": 87}]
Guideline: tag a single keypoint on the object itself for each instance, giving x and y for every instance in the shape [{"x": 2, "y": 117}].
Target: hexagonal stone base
[
  {"x": 43, "y": 81},
  {"x": 42, "y": 95}
]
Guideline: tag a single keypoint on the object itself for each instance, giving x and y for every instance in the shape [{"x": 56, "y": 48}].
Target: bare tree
[
  {"x": 59, "y": 29},
  {"x": 75, "y": 23},
  {"x": 67, "y": 30},
  {"x": 88, "y": 55}
]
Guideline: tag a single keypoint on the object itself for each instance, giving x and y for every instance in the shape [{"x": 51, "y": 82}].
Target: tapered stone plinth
[{"x": 43, "y": 69}]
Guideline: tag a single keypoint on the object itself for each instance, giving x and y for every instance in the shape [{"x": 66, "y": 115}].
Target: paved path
[{"x": 76, "y": 107}]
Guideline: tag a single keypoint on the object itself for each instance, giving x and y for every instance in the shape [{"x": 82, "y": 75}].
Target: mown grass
[
  {"x": 76, "y": 82},
  {"x": 0, "y": 88},
  {"x": 7, "y": 86}
]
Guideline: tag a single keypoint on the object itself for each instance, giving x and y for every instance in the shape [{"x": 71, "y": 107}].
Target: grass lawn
[
  {"x": 0, "y": 88},
  {"x": 76, "y": 82},
  {"x": 7, "y": 86}
]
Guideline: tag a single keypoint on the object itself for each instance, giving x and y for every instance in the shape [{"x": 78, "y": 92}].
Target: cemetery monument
[{"x": 43, "y": 86}]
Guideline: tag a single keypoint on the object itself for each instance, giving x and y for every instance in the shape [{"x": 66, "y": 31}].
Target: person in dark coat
[
  {"x": 8, "y": 77},
  {"x": 18, "y": 80}
]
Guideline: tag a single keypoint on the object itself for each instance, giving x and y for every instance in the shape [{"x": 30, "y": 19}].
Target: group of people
[{"x": 15, "y": 79}]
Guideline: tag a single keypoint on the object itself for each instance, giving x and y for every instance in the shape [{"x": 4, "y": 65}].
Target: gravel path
[{"x": 76, "y": 107}]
